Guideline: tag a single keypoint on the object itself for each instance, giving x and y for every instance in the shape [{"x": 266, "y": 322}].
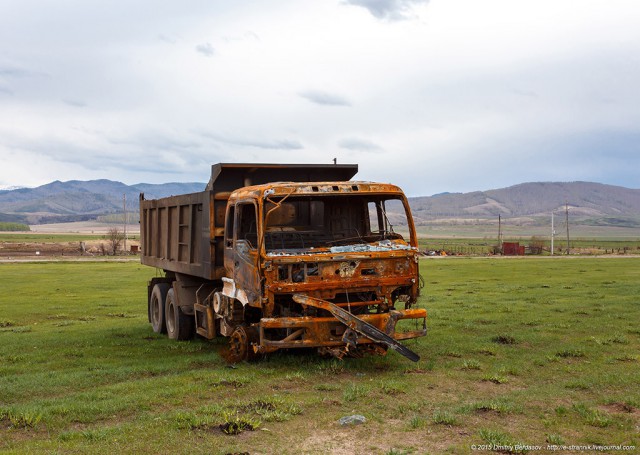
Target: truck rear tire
[
  {"x": 179, "y": 325},
  {"x": 156, "y": 307}
]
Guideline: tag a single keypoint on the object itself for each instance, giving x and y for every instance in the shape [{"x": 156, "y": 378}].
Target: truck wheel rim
[
  {"x": 238, "y": 345},
  {"x": 170, "y": 318},
  {"x": 155, "y": 311}
]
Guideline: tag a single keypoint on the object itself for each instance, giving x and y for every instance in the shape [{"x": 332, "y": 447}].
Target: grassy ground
[{"x": 535, "y": 351}]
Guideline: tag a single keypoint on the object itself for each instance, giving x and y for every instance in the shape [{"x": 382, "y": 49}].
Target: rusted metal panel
[
  {"x": 356, "y": 325},
  {"x": 205, "y": 322},
  {"x": 175, "y": 235},
  {"x": 231, "y": 176},
  {"x": 329, "y": 331}
]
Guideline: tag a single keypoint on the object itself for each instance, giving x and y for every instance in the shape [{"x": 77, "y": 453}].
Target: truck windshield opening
[{"x": 334, "y": 223}]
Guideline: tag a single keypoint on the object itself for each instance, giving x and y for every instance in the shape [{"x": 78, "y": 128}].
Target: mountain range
[
  {"x": 584, "y": 199},
  {"x": 77, "y": 200},
  {"x": 83, "y": 200}
]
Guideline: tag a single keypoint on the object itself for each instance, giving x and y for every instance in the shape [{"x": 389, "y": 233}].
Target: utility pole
[
  {"x": 553, "y": 232},
  {"x": 124, "y": 210},
  {"x": 500, "y": 232},
  {"x": 567, "y": 221}
]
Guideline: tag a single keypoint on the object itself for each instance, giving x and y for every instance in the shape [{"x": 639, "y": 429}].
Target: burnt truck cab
[
  {"x": 278, "y": 256},
  {"x": 293, "y": 252}
]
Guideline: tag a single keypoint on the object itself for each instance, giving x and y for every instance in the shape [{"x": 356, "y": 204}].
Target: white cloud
[
  {"x": 206, "y": 49},
  {"x": 354, "y": 143},
  {"x": 388, "y": 9},
  {"x": 447, "y": 100},
  {"x": 324, "y": 98}
]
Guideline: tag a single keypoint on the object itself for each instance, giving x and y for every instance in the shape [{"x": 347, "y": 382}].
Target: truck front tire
[
  {"x": 179, "y": 325},
  {"x": 240, "y": 344},
  {"x": 156, "y": 307}
]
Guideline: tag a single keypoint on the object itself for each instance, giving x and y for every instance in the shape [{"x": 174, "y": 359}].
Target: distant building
[{"x": 512, "y": 249}]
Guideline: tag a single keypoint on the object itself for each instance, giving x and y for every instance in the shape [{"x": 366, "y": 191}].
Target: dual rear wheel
[
  {"x": 179, "y": 324},
  {"x": 166, "y": 316},
  {"x": 156, "y": 307}
]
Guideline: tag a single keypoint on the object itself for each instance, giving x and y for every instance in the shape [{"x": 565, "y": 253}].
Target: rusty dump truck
[{"x": 279, "y": 256}]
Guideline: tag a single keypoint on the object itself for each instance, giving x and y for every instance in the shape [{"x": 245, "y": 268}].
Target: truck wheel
[
  {"x": 156, "y": 307},
  {"x": 179, "y": 325},
  {"x": 240, "y": 344}
]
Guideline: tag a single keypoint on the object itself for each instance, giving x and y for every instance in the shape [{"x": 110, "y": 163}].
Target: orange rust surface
[{"x": 380, "y": 273}]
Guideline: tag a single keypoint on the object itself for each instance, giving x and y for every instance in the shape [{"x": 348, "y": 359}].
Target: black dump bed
[{"x": 184, "y": 234}]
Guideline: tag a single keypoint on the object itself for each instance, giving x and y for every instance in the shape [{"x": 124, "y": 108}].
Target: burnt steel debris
[{"x": 282, "y": 256}]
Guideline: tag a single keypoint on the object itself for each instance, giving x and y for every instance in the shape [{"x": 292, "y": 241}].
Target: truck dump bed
[{"x": 184, "y": 234}]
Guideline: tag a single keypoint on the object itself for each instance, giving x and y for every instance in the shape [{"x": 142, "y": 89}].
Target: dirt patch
[
  {"x": 286, "y": 388},
  {"x": 92, "y": 248},
  {"x": 374, "y": 438},
  {"x": 416, "y": 371},
  {"x": 228, "y": 383},
  {"x": 620, "y": 408},
  {"x": 331, "y": 402},
  {"x": 338, "y": 443},
  {"x": 40, "y": 249},
  {"x": 81, "y": 227}
]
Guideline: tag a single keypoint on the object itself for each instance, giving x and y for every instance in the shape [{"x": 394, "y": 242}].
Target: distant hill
[
  {"x": 82, "y": 200},
  {"x": 533, "y": 199},
  {"x": 77, "y": 200}
]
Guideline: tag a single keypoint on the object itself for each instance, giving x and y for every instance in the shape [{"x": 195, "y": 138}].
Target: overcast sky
[{"x": 436, "y": 96}]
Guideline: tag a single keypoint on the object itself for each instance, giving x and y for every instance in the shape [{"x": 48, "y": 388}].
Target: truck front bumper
[{"x": 306, "y": 332}]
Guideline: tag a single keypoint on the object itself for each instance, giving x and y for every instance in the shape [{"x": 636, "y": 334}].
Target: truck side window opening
[
  {"x": 247, "y": 226},
  {"x": 229, "y": 228},
  {"x": 375, "y": 224}
]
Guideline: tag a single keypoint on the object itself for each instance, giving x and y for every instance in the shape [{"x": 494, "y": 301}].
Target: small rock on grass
[{"x": 352, "y": 420}]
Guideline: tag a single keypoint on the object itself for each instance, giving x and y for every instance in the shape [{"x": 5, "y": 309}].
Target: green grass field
[{"x": 534, "y": 351}]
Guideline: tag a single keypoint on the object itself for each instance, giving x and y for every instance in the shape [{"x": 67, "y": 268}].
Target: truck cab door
[{"x": 241, "y": 256}]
